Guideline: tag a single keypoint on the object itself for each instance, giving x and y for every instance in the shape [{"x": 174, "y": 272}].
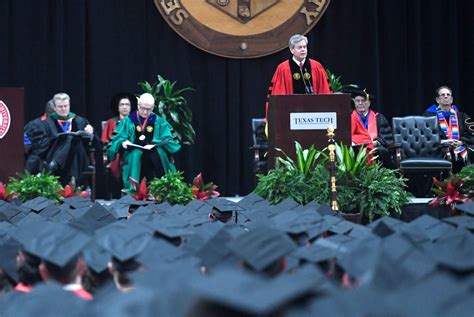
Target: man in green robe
[{"x": 154, "y": 137}]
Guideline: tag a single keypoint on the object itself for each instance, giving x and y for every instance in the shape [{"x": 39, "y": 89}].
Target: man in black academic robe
[{"x": 68, "y": 154}]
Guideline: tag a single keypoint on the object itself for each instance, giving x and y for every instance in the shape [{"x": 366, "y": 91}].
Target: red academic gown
[
  {"x": 107, "y": 131},
  {"x": 361, "y": 135},
  {"x": 282, "y": 81}
]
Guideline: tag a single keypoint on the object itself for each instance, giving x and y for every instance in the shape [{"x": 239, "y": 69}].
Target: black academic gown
[
  {"x": 70, "y": 153},
  {"x": 35, "y": 151}
]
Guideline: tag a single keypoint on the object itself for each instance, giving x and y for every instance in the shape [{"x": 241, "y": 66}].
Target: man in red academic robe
[
  {"x": 370, "y": 128},
  {"x": 299, "y": 74}
]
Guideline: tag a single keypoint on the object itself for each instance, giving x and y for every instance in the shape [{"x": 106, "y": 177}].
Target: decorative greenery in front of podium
[
  {"x": 173, "y": 107},
  {"x": 27, "y": 186},
  {"x": 362, "y": 186}
]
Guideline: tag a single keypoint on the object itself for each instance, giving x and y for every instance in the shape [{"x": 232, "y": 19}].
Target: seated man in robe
[
  {"x": 154, "y": 138},
  {"x": 36, "y": 146},
  {"x": 121, "y": 104},
  {"x": 370, "y": 128},
  {"x": 456, "y": 127},
  {"x": 68, "y": 154}
]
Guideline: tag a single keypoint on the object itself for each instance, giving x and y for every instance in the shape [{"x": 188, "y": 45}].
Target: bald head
[{"x": 146, "y": 104}]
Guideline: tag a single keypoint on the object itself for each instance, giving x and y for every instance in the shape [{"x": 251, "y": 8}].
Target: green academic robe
[{"x": 127, "y": 130}]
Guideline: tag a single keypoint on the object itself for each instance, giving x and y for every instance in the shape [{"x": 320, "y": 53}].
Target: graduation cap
[
  {"x": 123, "y": 240},
  {"x": 114, "y": 102},
  {"x": 467, "y": 208},
  {"x": 58, "y": 244},
  {"x": 8, "y": 251},
  {"x": 8, "y": 212},
  {"x": 95, "y": 257},
  {"x": 37, "y": 204},
  {"x": 223, "y": 209},
  {"x": 46, "y": 299},
  {"x": 253, "y": 200},
  {"x": 461, "y": 222},
  {"x": 78, "y": 202},
  {"x": 94, "y": 218},
  {"x": 261, "y": 247},
  {"x": 234, "y": 291}
]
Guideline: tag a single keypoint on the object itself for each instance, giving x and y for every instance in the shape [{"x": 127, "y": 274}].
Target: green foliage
[
  {"x": 305, "y": 159},
  {"x": 280, "y": 184},
  {"x": 349, "y": 164},
  {"x": 380, "y": 191},
  {"x": 171, "y": 188},
  {"x": 335, "y": 82},
  {"x": 467, "y": 175},
  {"x": 172, "y": 106},
  {"x": 27, "y": 186},
  {"x": 369, "y": 189}
]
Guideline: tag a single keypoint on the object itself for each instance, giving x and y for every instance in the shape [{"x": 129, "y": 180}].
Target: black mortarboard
[
  {"x": 461, "y": 221},
  {"x": 123, "y": 240},
  {"x": 296, "y": 222},
  {"x": 262, "y": 246},
  {"x": 50, "y": 211},
  {"x": 94, "y": 218},
  {"x": 9, "y": 211},
  {"x": 390, "y": 222},
  {"x": 325, "y": 209},
  {"x": 57, "y": 243},
  {"x": 223, "y": 208},
  {"x": 454, "y": 251},
  {"x": 253, "y": 200},
  {"x": 114, "y": 102},
  {"x": 37, "y": 204},
  {"x": 78, "y": 202},
  {"x": 8, "y": 251},
  {"x": 47, "y": 299},
  {"x": 248, "y": 293},
  {"x": 5, "y": 228},
  {"x": 286, "y": 204},
  {"x": 467, "y": 208},
  {"x": 95, "y": 257}
]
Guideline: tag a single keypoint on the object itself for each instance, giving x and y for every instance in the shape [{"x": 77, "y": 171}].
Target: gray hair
[
  {"x": 295, "y": 39},
  {"x": 60, "y": 97},
  {"x": 49, "y": 109}
]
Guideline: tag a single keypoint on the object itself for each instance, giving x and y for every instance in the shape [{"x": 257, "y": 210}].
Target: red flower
[
  {"x": 448, "y": 192},
  {"x": 3, "y": 192},
  {"x": 203, "y": 191},
  {"x": 140, "y": 191}
]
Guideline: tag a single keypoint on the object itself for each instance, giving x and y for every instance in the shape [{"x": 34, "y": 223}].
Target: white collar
[
  {"x": 298, "y": 63},
  {"x": 72, "y": 287}
]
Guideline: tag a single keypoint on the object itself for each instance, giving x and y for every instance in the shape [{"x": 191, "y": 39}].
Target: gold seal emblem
[
  {"x": 149, "y": 129},
  {"x": 142, "y": 137},
  {"x": 241, "y": 28},
  {"x": 139, "y": 128},
  {"x": 307, "y": 75},
  {"x": 296, "y": 76}
]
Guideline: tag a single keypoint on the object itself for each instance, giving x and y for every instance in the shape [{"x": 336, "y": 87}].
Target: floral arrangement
[
  {"x": 72, "y": 190},
  {"x": 449, "y": 192},
  {"x": 203, "y": 191}
]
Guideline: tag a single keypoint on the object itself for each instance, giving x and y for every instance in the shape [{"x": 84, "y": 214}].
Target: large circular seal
[
  {"x": 241, "y": 28},
  {"x": 5, "y": 119}
]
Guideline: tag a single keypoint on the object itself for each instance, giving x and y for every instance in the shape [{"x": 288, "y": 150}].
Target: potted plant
[
  {"x": 173, "y": 107},
  {"x": 362, "y": 189},
  {"x": 335, "y": 82},
  {"x": 171, "y": 188},
  {"x": 381, "y": 190},
  {"x": 449, "y": 192},
  {"x": 28, "y": 186},
  {"x": 201, "y": 191}
]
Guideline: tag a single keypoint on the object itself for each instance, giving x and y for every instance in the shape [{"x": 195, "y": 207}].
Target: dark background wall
[{"x": 401, "y": 50}]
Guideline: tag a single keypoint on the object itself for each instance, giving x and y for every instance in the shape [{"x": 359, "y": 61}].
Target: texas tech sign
[{"x": 241, "y": 28}]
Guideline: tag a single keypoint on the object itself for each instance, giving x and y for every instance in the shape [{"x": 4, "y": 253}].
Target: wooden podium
[
  {"x": 305, "y": 118},
  {"x": 11, "y": 132}
]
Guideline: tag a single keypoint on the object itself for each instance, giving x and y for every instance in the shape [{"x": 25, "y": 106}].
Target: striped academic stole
[
  {"x": 451, "y": 130},
  {"x": 66, "y": 125}
]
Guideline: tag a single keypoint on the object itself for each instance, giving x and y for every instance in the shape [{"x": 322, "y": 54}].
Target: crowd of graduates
[{"x": 224, "y": 258}]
